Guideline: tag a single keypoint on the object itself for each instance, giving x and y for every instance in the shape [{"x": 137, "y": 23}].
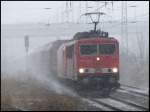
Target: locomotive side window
[
  {"x": 70, "y": 51},
  {"x": 106, "y": 48},
  {"x": 88, "y": 49}
]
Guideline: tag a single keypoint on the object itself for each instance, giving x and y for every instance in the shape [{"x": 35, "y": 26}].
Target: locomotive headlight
[
  {"x": 81, "y": 70},
  {"x": 115, "y": 70},
  {"x": 97, "y": 58}
]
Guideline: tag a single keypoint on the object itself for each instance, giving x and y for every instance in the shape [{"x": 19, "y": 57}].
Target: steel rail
[{"x": 129, "y": 103}]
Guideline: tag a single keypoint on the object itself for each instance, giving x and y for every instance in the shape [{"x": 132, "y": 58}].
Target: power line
[
  {"x": 129, "y": 18},
  {"x": 133, "y": 3},
  {"x": 102, "y": 6}
]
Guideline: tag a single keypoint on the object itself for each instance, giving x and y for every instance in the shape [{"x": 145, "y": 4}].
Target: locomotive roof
[
  {"x": 93, "y": 40},
  {"x": 98, "y": 39}
]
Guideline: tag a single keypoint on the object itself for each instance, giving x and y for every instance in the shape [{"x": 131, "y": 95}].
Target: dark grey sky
[{"x": 32, "y": 11}]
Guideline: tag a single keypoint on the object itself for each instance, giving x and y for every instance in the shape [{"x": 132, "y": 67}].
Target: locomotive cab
[{"x": 98, "y": 61}]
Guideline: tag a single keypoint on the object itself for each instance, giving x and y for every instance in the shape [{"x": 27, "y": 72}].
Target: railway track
[
  {"x": 122, "y": 100},
  {"x": 112, "y": 104},
  {"x": 133, "y": 90},
  {"x": 128, "y": 102}
]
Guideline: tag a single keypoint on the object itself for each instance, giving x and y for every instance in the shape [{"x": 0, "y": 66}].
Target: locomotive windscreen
[
  {"x": 100, "y": 49},
  {"x": 88, "y": 49},
  {"x": 106, "y": 48}
]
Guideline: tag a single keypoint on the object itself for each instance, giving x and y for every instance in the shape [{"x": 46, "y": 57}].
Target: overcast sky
[{"x": 13, "y": 12}]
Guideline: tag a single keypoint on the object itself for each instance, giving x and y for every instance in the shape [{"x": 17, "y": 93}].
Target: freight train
[{"x": 89, "y": 59}]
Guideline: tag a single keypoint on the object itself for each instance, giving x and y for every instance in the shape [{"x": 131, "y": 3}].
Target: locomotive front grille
[
  {"x": 91, "y": 70},
  {"x": 106, "y": 70},
  {"x": 98, "y": 70}
]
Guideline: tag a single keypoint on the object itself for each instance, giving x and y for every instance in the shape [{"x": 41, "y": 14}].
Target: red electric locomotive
[{"x": 92, "y": 60}]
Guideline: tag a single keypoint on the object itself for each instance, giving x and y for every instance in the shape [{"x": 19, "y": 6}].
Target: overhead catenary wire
[{"x": 102, "y": 5}]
